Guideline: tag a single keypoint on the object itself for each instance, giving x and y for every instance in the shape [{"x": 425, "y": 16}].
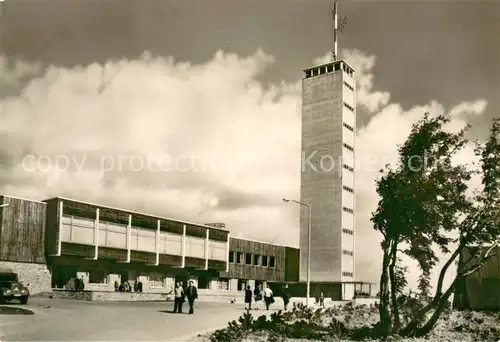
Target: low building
[
  {"x": 480, "y": 290},
  {"x": 50, "y": 243}
]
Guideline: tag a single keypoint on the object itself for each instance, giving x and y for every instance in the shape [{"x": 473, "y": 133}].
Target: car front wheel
[{"x": 24, "y": 300}]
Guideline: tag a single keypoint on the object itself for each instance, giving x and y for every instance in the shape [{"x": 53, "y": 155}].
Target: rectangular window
[
  {"x": 348, "y": 86},
  {"x": 272, "y": 262},
  {"x": 347, "y": 274},
  {"x": 248, "y": 259},
  {"x": 156, "y": 280},
  {"x": 347, "y": 231},
  {"x": 350, "y": 148},
  {"x": 224, "y": 284},
  {"x": 98, "y": 277},
  {"x": 347, "y": 210},
  {"x": 348, "y": 107},
  {"x": 264, "y": 261},
  {"x": 204, "y": 282},
  {"x": 256, "y": 260},
  {"x": 346, "y": 188},
  {"x": 348, "y": 168},
  {"x": 231, "y": 256},
  {"x": 346, "y": 252},
  {"x": 239, "y": 258},
  {"x": 349, "y": 127}
]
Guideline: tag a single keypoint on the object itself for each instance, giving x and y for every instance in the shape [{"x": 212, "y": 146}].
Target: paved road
[{"x": 67, "y": 320}]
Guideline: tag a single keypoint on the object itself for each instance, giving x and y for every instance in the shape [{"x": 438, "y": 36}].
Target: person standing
[
  {"x": 257, "y": 295},
  {"x": 248, "y": 297},
  {"x": 286, "y": 296},
  {"x": 322, "y": 300},
  {"x": 179, "y": 298},
  {"x": 191, "y": 294},
  {"x": 268, "y": 297}
]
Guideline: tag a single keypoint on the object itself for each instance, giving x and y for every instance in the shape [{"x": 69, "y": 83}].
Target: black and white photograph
[{"x": 250, "y": 170}]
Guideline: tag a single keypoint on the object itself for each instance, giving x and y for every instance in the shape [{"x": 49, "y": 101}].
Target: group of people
[
  {"x": 126, "y": 287},
  {"x": 181, "y": 294},
  {"x": 265, "y": 294}
]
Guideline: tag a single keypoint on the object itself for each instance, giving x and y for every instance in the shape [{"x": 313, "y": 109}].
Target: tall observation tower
[{"x": 327, "y": 177}]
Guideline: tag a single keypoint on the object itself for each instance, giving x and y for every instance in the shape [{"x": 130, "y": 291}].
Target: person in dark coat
[
  {"x": 248, "y": 297},
  {"x": 257, "y": 295},
  {"x": 286, "y": 296},
  {"x": 191, "y": 295}
]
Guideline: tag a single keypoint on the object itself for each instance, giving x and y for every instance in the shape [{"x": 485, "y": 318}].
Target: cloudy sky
[{"x": 98, "y": 98}]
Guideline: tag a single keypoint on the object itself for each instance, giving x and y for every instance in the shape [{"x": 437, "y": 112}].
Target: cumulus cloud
[{"x": 200, "y": 142}]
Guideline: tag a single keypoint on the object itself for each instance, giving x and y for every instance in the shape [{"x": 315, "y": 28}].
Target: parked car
[{"x": 11, "y": 288}]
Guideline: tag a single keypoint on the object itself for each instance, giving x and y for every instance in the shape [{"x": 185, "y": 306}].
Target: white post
[
  {"x": 60, "y": 228},
  {"x": 96, "y": 234},
  {"x": 183, "y": 242},
  {"x": 206, "y": 248},
  {"x": 227, "y": 253},
  {"x": 158, "y": 243},
  {"x": 129, "y": 236}
]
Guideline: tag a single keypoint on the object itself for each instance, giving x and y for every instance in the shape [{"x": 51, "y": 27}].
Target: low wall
[
  {"x": 365, "y": 301},
  {"x": 36, "y": 277}
]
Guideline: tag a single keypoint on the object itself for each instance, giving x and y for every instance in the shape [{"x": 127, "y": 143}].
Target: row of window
[
  {"x": 348, "y": 86},
  {"x": 348, "y": 107},
  {"x": 347, "y": 210},
  {"x": 348, "y": 189},
  {"x": 347, "y": 70},
  {"x": 349, "y": 127},
  {"x": 348, "y": 168},
  {"x": 347, "y": 274},
  {"x": 346, "y": 252},
  {"x": 252, "y": 259},
  {"x": 347, "y": 231},
  {"x": 349, "y": 147}
]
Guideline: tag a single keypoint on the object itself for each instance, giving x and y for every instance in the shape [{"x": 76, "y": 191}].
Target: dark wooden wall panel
[
  {"x": 242, "y": 271},
  {"x": 115, "y": 254},
  {"x": 292, "y": 264},
  {"x": 170, "y": 260},
  {"x": 22, "y": 231},
  {"x": 195, "y": 262},
  {"x": 216, "y": 265},
  {"x": 143, "y": 257},
  {"x": 76, "y": 249}
]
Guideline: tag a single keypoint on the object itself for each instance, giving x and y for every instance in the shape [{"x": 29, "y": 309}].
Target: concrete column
[
  {"x": 158, "y": 243},
  {"x": 183, "y": 246},
  {"x": 60, "y": 228},
  {"x": 129, "y": 236},
  {"x": 96, "y": 234},
  {"x": 207, "y": 237}
]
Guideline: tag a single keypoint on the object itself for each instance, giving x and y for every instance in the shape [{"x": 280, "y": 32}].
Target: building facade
[
  {"x": 50, "y": 243},
  {"x": 327, "y": 178}
]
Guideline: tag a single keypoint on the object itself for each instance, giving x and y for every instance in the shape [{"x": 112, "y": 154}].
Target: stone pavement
[{"x": 71, "y": 320}]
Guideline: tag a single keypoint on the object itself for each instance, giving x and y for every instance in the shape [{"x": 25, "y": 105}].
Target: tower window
[
  {"x": 348, "y": 107},
  {"x": 347, "y": 167},
  {"x": 239, "y": 258},
  {"x": 256, "y": 260},
  {"x": 349, "y": 127},
  {"x": 264, "y": 261},
  {"x": 347, "y": 274},
  {"x": 347, "y": 231},
  {"x": 348, "y": 86},
  {"x": 347, "y": 210},
  {"x": 350, "y": 148},
  {"x": 248, "y": 258},
  {"x": 346, "y": 252},
  {"x": 231, "y": 256},
  {"x": 346, "y": 188},
  {"x": 272, "y": 262}
]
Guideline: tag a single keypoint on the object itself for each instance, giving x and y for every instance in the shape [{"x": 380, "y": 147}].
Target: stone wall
[{"x": 36, "y": 277}]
